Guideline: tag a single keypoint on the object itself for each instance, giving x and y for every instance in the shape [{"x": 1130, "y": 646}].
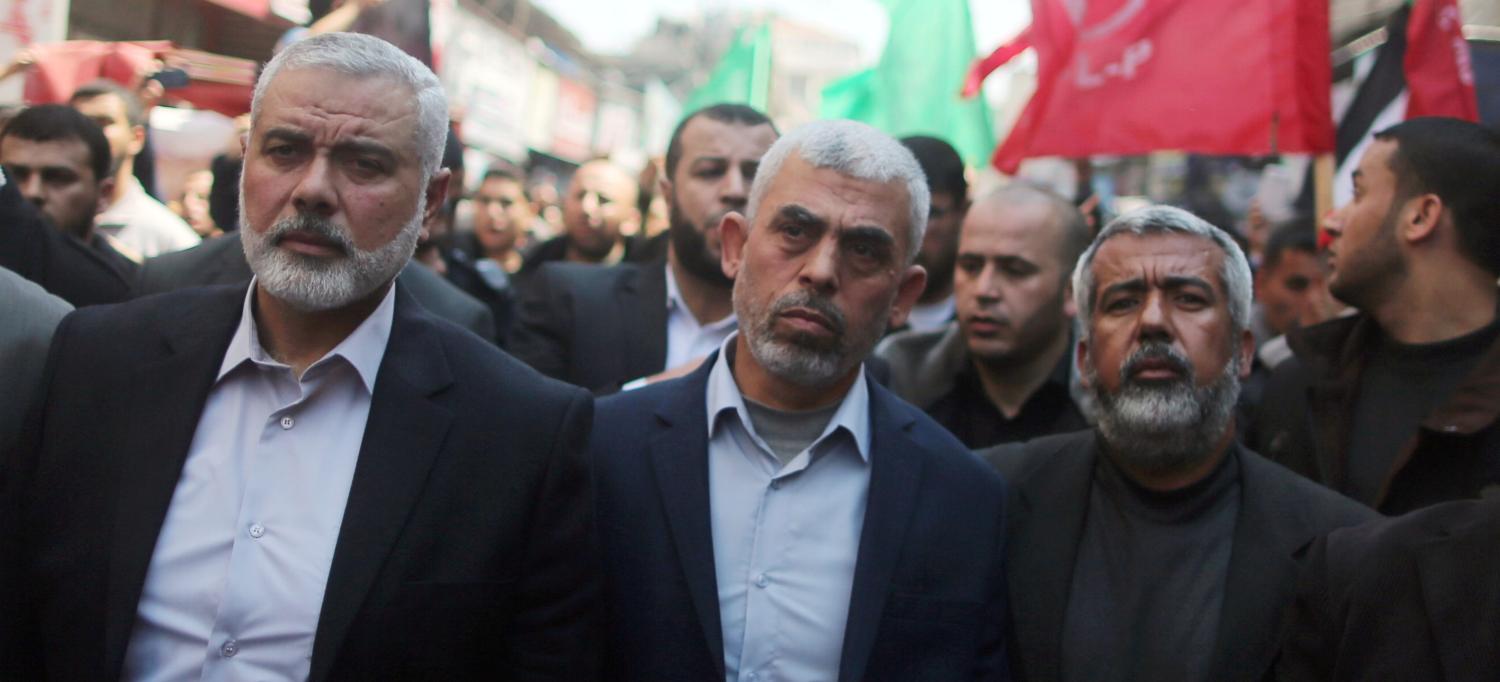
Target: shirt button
[
  {"x": 230, "y": 648},
  {"x": 761, "y": 580},
  {"x": 257, "y": 530},
  {"x": 287, "y": 422}
]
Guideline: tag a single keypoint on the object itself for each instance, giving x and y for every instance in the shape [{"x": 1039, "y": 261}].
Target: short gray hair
[
  {"x": 363, "y": 56},
  {"x": 854, "y": 149},
  {"x": 1234, "y": 274}
]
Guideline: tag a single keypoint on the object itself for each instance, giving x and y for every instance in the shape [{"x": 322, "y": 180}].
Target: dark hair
[
  {"x": 1460, "y": 162},
  {"x": 1298, "y": 234},
  {"x": 56, "y": 122},
  {"x": 505, "y": 171},
  {"x": 724, "y": 113},
  {"x": 453, "y": 151},
  {"x": 135, "y": 114},
  {"x": 942, "y": 164}
]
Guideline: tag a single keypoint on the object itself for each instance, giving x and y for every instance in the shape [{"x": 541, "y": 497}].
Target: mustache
[
  {"x": 312, "y": 225},
  {"x": 819, "y": 304},
  {"x": 1157, "y": 351}
]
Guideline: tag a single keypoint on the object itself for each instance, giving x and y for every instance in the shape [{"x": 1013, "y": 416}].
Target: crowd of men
[{"x": 843, "y": 421}]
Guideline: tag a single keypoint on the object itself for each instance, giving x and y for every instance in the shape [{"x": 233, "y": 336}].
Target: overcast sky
[{"x": 611, "y": 26}]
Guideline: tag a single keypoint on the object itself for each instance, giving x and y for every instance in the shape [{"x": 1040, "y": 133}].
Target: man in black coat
[
  {"x": 1411, "y": 598},
  {"x": 309, "y": 478},
  {"x": 602, "y": 328},
  {"x": 1154, "y": 547}
]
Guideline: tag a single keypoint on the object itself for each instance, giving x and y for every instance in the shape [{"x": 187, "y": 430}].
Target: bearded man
[
  {"x": 309, "y": 477},
  {"x": 1153, "y": 546},
  {"x": 776, "y": 515}
]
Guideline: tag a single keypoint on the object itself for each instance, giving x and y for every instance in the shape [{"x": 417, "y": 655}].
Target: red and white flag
[
  {"x": 1208, "y": 76},
  {"x": 1439, "y": 70}
]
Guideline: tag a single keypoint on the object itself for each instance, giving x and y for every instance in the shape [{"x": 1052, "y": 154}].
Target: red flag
[
  {"x": 1439, "y": 72},
  {"x": 219, "y": 83},
  {"x": 985, "y": 66},
  {"x": 1209, "y": 76}
]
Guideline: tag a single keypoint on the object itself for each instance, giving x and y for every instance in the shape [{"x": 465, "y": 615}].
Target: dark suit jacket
[
  {"x": 594, "y": 326},
  {"x": 1410, "y": 598},
  {"x": 1051, "y": 477},
  {"x": 928, "y": 593},
  {"x": 222, "y": 261},
  {"x": 466, "y": 549},
  {"x": 64, "y": 266}
]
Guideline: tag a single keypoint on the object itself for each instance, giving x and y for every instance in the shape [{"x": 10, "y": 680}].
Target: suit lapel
[
  {"x": 1462, "y": 592},
  {"x": 151, "y": 456},
  {"x": 402, "y": 439},
  {"x": 643, "y": 297},
  {"x": 1262, "y": 573},
  {"x": 1045, "y": 527},
  {"x": 679, "y": 457},
  {"x": 895, "y": 482}
]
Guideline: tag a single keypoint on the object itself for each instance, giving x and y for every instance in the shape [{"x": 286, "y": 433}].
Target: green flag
[
  {"x": 914, "y": 88},
  {"x": 743, "y": 75}
]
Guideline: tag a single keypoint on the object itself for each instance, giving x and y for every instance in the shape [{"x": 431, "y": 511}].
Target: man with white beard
[
  {"x": 1154, "y": 546},
  {"x": 309, "y": 477}
]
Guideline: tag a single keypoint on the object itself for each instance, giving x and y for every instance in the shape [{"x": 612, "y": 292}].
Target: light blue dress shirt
[
  {"x": 785, "y": 539},
  {"x": 235, "y": 584},
  {"x": 687, "y": 338}
]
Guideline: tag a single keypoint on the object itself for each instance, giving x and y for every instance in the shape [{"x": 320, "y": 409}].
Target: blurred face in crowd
[
  {"x": 712, "y": 178},
  {"x": 1364, "y": 257},
  {"x": 940, "y": 245},
  {"x": 1289, "y": 290},
  {"x": 1010, "y": 282},
  {"x": 1161, "y": 355},
  {"x": 333, "y": 194},
  {"x": 822, "y": 271},
  {"x": 194, "y": 205},
  {"x": 57, "y": 177},
  {"x": 601, "y": 200},
  {"x": 125, "y": 140},
  {"x": 501, "y": 214}
]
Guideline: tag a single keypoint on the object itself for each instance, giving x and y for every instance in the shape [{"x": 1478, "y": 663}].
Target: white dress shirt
[
  {"x": 143, "y": 225},
  {"x": 785, "y": 539},
  {"x": 235, "y": 584},
  {"x": 686, "y": 338},
  {"x": 925, "y": 317}
]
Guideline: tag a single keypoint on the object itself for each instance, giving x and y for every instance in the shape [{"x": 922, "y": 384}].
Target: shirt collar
[
  {"x": 853, "y": 415},
  {"x": 364, "y": 348},
  {"x": 677, "y": 306}
]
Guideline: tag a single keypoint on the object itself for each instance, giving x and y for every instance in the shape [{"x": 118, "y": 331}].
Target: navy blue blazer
[
  {"x": 466, "y": 549},
  {"x": 929, "y": 594}
]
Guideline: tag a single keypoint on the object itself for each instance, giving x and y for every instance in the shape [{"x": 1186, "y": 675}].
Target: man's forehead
[
  {"x": 1155, "y": 256},
  {"x": 1015, "y": 225},
  {"x": 61, "y": 153},
  {"x": 315, "y": 95},
  {"x": 838, "y": 198},
  {"x": 705, "y": 136}
]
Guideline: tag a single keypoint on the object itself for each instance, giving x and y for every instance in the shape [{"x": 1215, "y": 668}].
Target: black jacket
[
  {"x": 465, "y": 550},
  {"x": 1051, "y": 479},
  {"x": 64, "y": 266}
]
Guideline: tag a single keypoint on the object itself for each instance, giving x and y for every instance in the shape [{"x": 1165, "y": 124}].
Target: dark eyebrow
[
  {"x": 1133, "y": 286},
  {"x": 1180, "y": 281},
  {"x": 867, "y": 233},
  {"x": 288, "y": 135},
  {"x": 800, "y": 215},
  {"x": 367, "y": 147}
]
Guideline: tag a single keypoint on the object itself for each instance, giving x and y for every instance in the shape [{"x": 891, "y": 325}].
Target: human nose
[
  {"x": 736, "y": 189},
  {"x": 31, "y": 188},
  {"x": 988, "y": 284},
  {"x": 820, "y": 270},
  {"x": 592, "y": 207},
  {"x": 314, "y": 192},
  {"x": 1154, "y": 321},
  {"x": 1333, "y": 223}
]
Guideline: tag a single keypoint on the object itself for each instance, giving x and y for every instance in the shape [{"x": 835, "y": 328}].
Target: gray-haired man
[
  {"x": 1154, "y": 547},
  {"x": 776, "y": 515},
  {"x": 309, "y": 477}
]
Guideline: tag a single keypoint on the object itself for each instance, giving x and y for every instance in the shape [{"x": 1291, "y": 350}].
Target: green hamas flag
[
  {"x": 743, "y": 75},
  {"x": 914, "y": 88}
]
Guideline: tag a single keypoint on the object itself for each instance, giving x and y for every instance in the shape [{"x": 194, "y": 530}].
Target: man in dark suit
[
  {"x": 73, "y": 150},
  {"x": 602, "y": 328},
  {"x": 1154, "y": 547},
  {"x": 775, "y": 514},
  {"x": 222, "y": 261},
  {"x": 1416, "y": 597},
  {"x": 308, "y": 478}
]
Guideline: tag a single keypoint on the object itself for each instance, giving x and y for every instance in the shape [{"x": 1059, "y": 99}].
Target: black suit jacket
[
  {"x": 1279, "y": 512},
  {"x": 222, "y": 261},
  {"x": 465, "y": 551},
  {"x": 594, "y": 326},
  {"x": 64, "y": 266},
  {"x": 928, "y": 598},
  {"x": 1410, "y": 598}
]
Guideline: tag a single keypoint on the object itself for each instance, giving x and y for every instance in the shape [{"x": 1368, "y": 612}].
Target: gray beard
[
  {"x": 314, "y": 284},
  {"x": 1160, "y": 429},
  {"x": 806, "y": 362}
]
